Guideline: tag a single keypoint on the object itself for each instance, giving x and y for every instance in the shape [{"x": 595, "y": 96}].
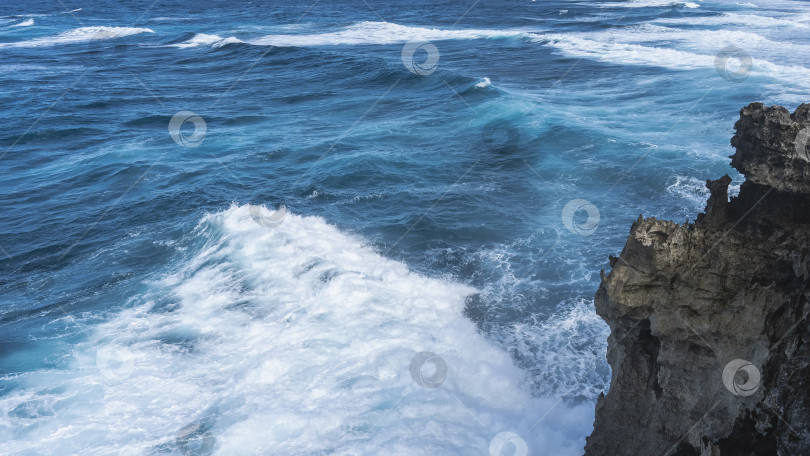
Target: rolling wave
[
  {"x": 381, "y": 33},
  {"x": 363, "y": 33},
  {"x": 748, "y": 21},
  {"x": 300, "y": 333},
  {"x": 674, "y": 59},
  {"x": 26, "y": 23},
  {"x": 80, "y": 35},
  {"x": 202, "y": 39},
  {"x": 638, "y": 45},
  {"x": 651, "y": 4}
]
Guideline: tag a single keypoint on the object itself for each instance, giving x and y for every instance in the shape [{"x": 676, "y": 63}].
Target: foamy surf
[
  {"x": 290, "y": 339},
  {"x": 362, "y": 33},
  {"x": 80, "y": 35},
  {"x": 202, "y": 39},
  {"x": 690, "y": 189},
  {"x": 483, "y": 83},
  {"x": 691, "y": 49},
  {"x": 652, "y": 4},
  {"x": 381, "y": 33},
  {"x": 794, "y": 20},
  {"x": 26, "y": 23},
  {"x": 637, "y": 54}
]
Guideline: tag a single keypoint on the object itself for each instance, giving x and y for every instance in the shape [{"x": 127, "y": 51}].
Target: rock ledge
[{"x": 709, "y": 335}]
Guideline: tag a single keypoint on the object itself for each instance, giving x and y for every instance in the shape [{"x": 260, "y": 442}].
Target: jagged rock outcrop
[{"x": 710, "y": 344}]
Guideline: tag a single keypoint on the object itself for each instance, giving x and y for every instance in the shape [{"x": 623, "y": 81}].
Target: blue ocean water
[{"x": 436, "y": 176}]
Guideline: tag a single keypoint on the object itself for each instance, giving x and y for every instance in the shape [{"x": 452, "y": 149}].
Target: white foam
[
  {"x": 707, "y": 42},
  {"x": 362, "y": 33},
  {"x": 26, "y": 23},
  {"x": 293, "y": 340},
  {"x": 695, "y": 55},
  {"x": 202, "y": 39},
  {"x": 483, "y": 83},
  {"x": 637, "y": 45},
  {"x": 172, "y": 19},
  {"x": 79, "y": 35},
  {"x": 650, "y": 4},
  {"x": 627, "y": 54},
  {"x": 380, "y": 33},
  {"x": 745, "y": 21},
  {"x": 19, "y": 16},
  {"x": 562, "y": 351},
  {"x": 691, "y": 189}
]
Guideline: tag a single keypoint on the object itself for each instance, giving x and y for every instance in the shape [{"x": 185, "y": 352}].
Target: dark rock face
[
  {"x": 710, "y": 340},
  {"x": 772, "y": 147}
]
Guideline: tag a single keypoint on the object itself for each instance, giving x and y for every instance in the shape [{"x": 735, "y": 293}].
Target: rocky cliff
[{"x": 710, "y": 344}]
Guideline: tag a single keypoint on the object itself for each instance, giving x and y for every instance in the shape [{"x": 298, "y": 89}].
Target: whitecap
[
  {"x": 80, "y": 35},
  {"x": 691, "y": 189},
  {"x": 362, "y": 33},
  {"x": 380, "y": 33},
  {"x": 26, "y": 23},
  {"x": 616, "y": 52},
  {"x": 745, "y": 21},
  {"x": 202, "y": 39},
  {"x": 652, "y": 4},
  {"x": 293, "y": 339}
]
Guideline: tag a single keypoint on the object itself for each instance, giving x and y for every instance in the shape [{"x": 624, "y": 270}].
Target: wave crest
[{"x": 80, "y": 35}]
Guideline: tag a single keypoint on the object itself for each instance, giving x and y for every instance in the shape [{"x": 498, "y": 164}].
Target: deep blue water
[{"x": 425, "y": 211}]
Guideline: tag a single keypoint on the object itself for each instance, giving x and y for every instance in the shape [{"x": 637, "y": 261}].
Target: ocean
[{"x": 345, "y": 227}]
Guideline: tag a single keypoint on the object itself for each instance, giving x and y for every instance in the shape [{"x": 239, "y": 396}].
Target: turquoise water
[{"x": 444, "y": 177}]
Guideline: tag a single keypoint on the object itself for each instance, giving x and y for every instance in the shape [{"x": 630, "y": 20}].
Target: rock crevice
[{"x": 708, "y": 320}]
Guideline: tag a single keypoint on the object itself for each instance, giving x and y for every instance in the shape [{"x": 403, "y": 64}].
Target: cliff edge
[{"x": 709, "y": 343}]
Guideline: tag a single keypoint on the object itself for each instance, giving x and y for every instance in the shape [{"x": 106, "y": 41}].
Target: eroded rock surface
[{"x": 684, "y": 301}]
